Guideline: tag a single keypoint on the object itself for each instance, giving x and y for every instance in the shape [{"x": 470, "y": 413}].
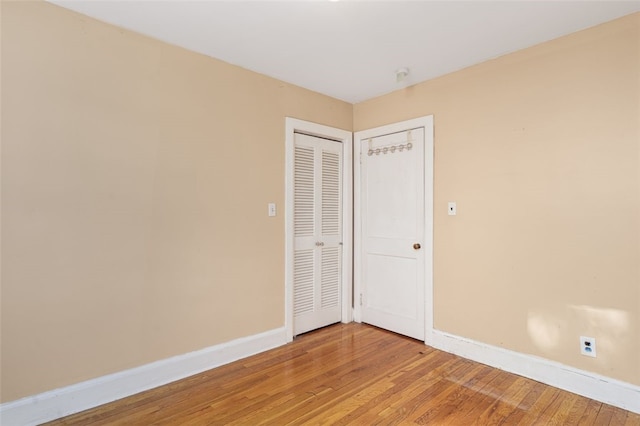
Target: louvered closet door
[{"x": 317, "y": 233}]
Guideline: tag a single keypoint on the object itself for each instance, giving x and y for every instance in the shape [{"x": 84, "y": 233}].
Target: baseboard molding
[
  {"x": 61, "y": 402},
  {"x": 601, "y": 388}
]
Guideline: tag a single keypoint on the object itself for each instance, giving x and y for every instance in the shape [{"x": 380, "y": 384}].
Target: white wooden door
[
  {"x": 317, "y": 221},
  {"x": 392, "y": 220}
]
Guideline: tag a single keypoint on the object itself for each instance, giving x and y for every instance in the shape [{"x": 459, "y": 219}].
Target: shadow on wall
[{"x": 549, "y": 330}]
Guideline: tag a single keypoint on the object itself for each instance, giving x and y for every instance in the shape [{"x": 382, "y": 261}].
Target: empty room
[{"x": 320, "y": 212}]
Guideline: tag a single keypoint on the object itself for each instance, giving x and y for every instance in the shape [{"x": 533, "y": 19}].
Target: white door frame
[
  {"x": 293, "y": 125},
  {"x": 427, "y": 123}
]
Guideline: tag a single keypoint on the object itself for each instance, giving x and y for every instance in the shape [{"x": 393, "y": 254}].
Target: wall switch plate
[
  {"x": 272, "y": 209},
  {"x": 588, "y": 346},
  {"x": 452, "y": 208}
]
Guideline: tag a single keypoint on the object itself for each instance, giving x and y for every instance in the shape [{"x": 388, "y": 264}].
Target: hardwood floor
[{"x": 354, "y": 374}]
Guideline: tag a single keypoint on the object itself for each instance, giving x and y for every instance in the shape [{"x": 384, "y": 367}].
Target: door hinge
[{"x": 360, "y": 299}]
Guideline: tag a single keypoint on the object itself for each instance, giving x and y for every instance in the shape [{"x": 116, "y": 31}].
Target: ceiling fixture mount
[{"x": 401, "y": 74}]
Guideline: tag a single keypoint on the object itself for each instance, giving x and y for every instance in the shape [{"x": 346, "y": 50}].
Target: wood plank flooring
[{"x": 354, "y": 374}]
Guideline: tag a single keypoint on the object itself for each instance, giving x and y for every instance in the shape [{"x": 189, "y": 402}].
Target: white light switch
[
  {"x": 272, "y": 209},
  {"x": 452, "y": 209}
]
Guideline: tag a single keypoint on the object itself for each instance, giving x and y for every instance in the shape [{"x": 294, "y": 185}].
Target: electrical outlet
[{"x": 588, "y": 346}]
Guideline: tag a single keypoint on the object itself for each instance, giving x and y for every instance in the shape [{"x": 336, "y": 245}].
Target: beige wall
[
  {"x": 135, "y": 183},
  {"x": 541, "y": 151},
  {"x": 135, "y": 178}
]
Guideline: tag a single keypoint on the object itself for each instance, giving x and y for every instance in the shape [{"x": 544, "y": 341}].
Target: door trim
[
  {"x": 427, "y": 123},
  {"x": 293, "y": 125}
]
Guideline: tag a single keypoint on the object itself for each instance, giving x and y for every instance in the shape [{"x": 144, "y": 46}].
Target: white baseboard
[
  {"x": 61, "y": 402},
  {"x": 601, "y": 388}
]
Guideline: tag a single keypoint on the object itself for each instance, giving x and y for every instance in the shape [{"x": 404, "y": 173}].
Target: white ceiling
[{"x": 350, "y": 50}]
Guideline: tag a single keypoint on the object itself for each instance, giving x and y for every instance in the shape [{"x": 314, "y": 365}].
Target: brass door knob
[{"x": 416, "y": 246}]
